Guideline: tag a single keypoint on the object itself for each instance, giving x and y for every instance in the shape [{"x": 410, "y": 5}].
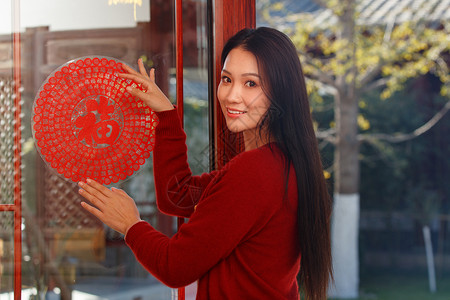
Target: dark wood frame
[{"x": 229, "y": 16}]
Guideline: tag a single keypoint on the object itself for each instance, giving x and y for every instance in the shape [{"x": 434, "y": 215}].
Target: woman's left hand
[{"x": 112, "y": 206}]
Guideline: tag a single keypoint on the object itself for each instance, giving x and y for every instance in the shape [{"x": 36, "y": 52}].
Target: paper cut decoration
[{"x": 86, "y": 125}]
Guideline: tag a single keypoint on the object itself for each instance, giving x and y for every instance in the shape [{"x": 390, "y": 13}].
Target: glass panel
[
  {"x": 6, "y": 121},
  {"x": 5, "y": 20},
  {"x": 6, "y": 254},
  {"x": 6, "y": 153},
  {"x": 195, "y": 87},
  {"x": 67, "y": 252}
]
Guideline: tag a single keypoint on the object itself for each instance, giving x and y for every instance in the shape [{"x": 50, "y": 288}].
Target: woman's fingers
[
  {"x": 98, "y": 187},
  {"x": 95, "y": 188},
  {"x": 96, "y": 212},
  {"x": 138, "y": 93},
  {"x": 113, "y": 207},
  {"x": 136, "y": 78},
  {"x": 94, "y": 192},
  {"x": 152, "y": 74},
  {"x": 144, "y": 82},
  {"x": 115, "y": 190},
  {"x": 153, "y": 97},
  {"x": 129, "y": 69},
  {"x": 142, "y": 68}
]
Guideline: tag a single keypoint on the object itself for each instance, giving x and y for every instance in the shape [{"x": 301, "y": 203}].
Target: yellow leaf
[
  {"x": 385, "y": 94},
  {"x": 278, "y": 6},
  {"x": 363, "y": 123}
]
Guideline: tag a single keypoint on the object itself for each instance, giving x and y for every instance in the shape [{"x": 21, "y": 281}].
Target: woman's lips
[{"x": 234, "y": 113}]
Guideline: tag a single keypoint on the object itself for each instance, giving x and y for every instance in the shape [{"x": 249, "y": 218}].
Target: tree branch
[
  {"x": 398, "y": 138},
  {"x": 321, "y": 76},
  {"x": 323, "y": 108},
  {"x": 331, "y": 90},
  {"x": 388, "y": 31},
  {"x": 374, "y": 85},
  {"x": 327, "y": 135},
  {"x": 323, "y": 144},
  {"x": 371, "y": 74}
]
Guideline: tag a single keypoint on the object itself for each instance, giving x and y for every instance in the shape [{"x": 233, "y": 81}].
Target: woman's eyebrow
[
  {"x": 244, "y": 74},
  {"x": 251, "y": 74}
]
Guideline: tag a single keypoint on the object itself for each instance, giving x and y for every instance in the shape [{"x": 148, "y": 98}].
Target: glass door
[
  {"x": 49, "y": 247},
  {"x": 68, "y": 254}
]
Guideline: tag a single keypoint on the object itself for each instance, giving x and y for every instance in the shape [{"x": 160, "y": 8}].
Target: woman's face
[{"x": 240, "y": 94}]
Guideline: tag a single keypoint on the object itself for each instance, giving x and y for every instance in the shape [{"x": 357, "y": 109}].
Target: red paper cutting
[{"x": 86, "y": 125}]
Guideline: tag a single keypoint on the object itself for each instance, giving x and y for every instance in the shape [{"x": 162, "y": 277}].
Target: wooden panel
[
  {"x": 60, "y": 51},
  {"x": 6, "y": 62},
  {"x": 229, "y": 17}
]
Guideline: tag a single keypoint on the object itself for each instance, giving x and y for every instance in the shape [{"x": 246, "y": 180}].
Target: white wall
[{"x": 74, "y": 14}]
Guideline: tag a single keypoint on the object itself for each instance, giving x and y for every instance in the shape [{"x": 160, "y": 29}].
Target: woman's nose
[{"x": 234, "y": 94}]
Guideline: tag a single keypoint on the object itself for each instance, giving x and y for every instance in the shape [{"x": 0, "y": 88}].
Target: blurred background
[{"x": 378, "y": 78}]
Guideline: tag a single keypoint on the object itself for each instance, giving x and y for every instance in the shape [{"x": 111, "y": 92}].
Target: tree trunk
[
  {"x": 345, "y": 246},
  {"x": 345, "y": 219},
  {"x": 346, "y": 162}
]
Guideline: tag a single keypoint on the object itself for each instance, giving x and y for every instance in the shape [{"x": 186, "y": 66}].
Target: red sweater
[{"x": 241, "y": 240}]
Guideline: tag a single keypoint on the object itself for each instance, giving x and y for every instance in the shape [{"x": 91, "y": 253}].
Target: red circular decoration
[{"x": 86, "y": 125}]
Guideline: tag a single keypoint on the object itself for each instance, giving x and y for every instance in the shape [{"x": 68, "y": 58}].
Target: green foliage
[
  {"x": 377, "y": 54},
  {"x": 411, "y": 175},
  {"x": 408, "y": 176},
  {"x": 378, "y": 59},
  {"x": 393, "y": 286},
  {"x": 416, "y": 50},
  {"x": 196, "y": 127}
]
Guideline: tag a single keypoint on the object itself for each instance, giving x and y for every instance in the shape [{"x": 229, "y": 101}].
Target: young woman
[{"x": 261, "y": 220}]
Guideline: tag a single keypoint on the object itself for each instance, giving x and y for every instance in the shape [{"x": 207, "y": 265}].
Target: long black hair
[{"x": 288, "y": 121}]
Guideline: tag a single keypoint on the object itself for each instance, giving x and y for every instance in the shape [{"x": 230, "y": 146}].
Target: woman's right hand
[{"x": 153, "y": 96}]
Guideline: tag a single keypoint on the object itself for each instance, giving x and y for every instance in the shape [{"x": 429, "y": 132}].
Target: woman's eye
[
  {"x": 226, "y": 79},
  {"x": 250, "y": 83}
]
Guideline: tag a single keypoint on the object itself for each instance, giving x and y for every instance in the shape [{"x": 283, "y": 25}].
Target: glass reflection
[
  {"x": 6, "y": 253},
  {"x": 68, "y": 254}
]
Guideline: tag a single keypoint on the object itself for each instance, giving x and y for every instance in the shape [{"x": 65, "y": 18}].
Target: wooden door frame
[{"x": 228, "y": 17}]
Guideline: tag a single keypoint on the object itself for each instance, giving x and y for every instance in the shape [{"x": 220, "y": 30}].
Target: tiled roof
[
  {"x": 389, "y": 11},
  {"x": 375, "y": 11}
]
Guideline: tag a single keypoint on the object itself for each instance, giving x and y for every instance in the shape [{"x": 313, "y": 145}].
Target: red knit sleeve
[
  {"x": 237, "y": 205},
  {"x": 177, "y": 191}
]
